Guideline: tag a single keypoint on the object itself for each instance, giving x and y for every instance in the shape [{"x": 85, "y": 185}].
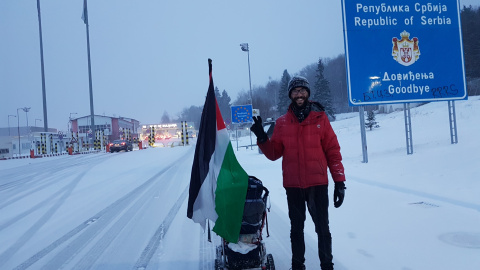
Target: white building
[{"x": 18, "y": 141}]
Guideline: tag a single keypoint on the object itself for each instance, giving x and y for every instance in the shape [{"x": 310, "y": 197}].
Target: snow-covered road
[
  {"x": 128, "y": 210},
  {"x": 111, "y": 211},
  {"x": 105, "y": 211}
]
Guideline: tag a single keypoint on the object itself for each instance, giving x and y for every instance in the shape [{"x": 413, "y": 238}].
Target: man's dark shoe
[{"x": 302, "y": 267}]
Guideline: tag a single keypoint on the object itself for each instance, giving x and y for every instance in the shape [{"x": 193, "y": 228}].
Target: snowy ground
[{"x": 128, "y": 210}]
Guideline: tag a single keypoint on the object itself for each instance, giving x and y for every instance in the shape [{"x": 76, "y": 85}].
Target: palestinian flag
[{"x": 218, "y": 184}]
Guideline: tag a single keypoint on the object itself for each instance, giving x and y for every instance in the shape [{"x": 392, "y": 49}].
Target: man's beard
[{"x": 304, "y": 101}]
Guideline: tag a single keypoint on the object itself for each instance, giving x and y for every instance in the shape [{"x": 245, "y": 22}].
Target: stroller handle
[{"x": 264, "y": 198}]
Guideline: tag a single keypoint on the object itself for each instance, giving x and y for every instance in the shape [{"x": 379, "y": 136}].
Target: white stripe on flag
[{"x": 204, "y": 206}]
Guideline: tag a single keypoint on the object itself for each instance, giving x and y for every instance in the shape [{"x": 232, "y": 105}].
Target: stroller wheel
[{"x": 270, "y": 263}]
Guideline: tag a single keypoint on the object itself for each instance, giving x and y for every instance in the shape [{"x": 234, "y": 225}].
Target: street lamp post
[
  {"x": 245, "y": 48},
  {"x": 26, "y": 110},
  {"x": 44, "y": 93},
  {"x": 18, "y": 130},
  {"x": 36, "y": 121},
  {"x": 10, "y": 115},
  {"x": 85, "y": 20}
]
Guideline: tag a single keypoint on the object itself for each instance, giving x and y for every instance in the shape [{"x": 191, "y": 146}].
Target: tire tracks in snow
[
  {"x": 24, "y": 174},
  {"x": 101, "y": 245},
  {"x": 32, "y": 178},
  {"x": 40, "y": 222},
  {"x": 160, "y": 233},
  {"x": 57, "y": 199},
  {"x": 43, "y": 184},
  {"x": 38, "y": 206},
  {"x": 155, "y": 241},
  {"x": 115, "y": 218}
]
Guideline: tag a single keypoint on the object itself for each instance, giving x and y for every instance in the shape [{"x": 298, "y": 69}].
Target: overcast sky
[{"x": 150, "y": 56}]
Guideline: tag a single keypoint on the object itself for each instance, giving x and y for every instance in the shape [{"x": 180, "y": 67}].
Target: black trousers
[{"x": 316, "y": 200}]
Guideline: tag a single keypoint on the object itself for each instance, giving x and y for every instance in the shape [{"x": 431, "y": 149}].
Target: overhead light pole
[
  {"x": 36, "y": 121},
  {"x": 18, "y": 130},
  {"x": 26, "y": 110},
  {"x": 44, "y": 93},
  {"x": 10, "y": 115},
  {"x": 85, "y": 20},
  {"x": 245, "y": 48}
]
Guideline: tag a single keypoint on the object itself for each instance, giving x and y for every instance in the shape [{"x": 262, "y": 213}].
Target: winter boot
[
  {"x": 328, "y": 266},
  {"x": 298, "y": 267}
]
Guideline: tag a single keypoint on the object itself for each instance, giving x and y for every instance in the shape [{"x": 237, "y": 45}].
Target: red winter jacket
[{"x": 307, "y": 149}]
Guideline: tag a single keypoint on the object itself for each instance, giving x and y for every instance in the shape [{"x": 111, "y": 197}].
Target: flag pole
[{"x": 85, "y": 20}]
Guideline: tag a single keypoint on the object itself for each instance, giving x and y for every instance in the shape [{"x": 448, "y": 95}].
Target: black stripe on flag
[{"x": 205, "y": 144}]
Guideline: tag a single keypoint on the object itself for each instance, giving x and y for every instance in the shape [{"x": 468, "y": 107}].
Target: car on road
[{"x": 119, "y": 145}]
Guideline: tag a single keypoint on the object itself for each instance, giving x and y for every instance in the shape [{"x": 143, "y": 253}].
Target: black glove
[
  {"x": 339, "y": 194},
  {"x": 257, "y": 129}
]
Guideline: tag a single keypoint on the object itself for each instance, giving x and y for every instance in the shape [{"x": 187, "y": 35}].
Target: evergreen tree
[
  {"x": 283, "y": 99},
  {"x": 471, "y": 40},
  {"x": 371, "y": 123},
  {"x": 165, "y": 118},
  {"x": 243, "y": 97},
  {"x": 223, "y": 101},
  {"x": 224, "y": 105},
  {"x": 192, "y": 114},
  {"x": 321, "y": 91},
  {"x": 270, "y": 96},
  {"x": 217, "y": 93}
]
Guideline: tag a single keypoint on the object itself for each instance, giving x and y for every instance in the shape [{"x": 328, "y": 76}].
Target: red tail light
[{"x": 123, "y": 143}]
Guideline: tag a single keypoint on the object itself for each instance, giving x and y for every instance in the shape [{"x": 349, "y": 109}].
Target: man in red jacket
[{"x": 306, "y": 141}]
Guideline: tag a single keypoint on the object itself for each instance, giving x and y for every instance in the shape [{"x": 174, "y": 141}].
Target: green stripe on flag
[{"x": 232, "y": 183}]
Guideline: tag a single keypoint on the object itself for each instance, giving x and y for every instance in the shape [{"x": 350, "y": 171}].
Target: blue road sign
[
  {"x": 242, "y": 114},
  {"x": 403, "y": 51}
]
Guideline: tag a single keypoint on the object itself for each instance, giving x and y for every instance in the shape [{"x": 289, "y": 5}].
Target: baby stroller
[{"x": 249, "y": 252}]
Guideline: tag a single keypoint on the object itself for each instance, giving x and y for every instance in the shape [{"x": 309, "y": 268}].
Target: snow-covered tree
[
  {"x": 224, "y": 105},
  {"x": 321, "y": 91},
  {"x": 191, "y": 114},
  {"x": 370, "y": 122},
  {"x": 243, "y": 97},
  {"x": 283, "y": 99},
  {"x": 165, "y": 118},
  {"x": 217, "y": 93}
]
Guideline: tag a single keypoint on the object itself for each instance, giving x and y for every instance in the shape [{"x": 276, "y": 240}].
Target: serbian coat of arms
[{"x": 405, "y": 51}]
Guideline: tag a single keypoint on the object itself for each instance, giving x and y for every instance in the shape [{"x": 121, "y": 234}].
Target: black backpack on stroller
[{"x": 253, "y": 221}]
